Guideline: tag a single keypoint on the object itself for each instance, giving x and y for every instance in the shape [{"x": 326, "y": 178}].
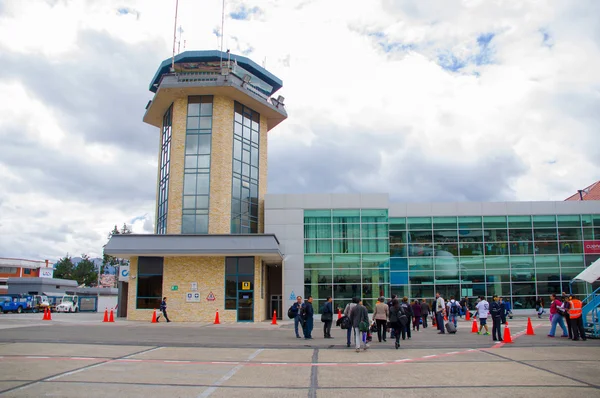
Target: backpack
[
  {"x": 454, "y": 308},
  {"x": 291, "y": 312},
  {"x": 345, "y": 323}
]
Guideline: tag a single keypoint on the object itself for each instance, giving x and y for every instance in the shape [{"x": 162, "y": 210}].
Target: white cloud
[{"x": 391, "y": 96}]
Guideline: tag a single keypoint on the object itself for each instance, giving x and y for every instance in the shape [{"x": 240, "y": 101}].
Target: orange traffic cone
[
  {"x": 154, "y": 317},
  {"x": 45, "y": 317},
  {"x": 217, "y": 322},
  {"x": 507, "y": 338},
  {"x": 474, "y": 327},
  {"x": 112, "y": 316},
  {"x": 105, "y": 315},
  {"x": 529, "y": 328},
  {"x": 468, "y": 318},
  {"x": 445, "y": 318},
  {"x": 274, "y": 321},
  {"x": 339, "y": 314},
  {"x": 49, "y": 315}
]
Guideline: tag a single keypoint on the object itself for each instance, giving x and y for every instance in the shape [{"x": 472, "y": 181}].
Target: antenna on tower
[
  {"x": 222, "y": 28},
  {"x": 174, "y": 37}
]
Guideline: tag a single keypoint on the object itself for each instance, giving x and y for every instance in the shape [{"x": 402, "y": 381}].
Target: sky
[{"x": 453, "y": 100}]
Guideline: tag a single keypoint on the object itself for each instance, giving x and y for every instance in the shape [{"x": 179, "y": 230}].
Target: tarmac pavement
[{"x": 77, "y": 355}]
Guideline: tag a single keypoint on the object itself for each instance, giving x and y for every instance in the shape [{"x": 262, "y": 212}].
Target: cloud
[{"x": 465, "y": 100}]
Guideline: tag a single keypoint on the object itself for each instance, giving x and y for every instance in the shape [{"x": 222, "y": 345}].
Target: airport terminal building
[{"x": 221, "y": 243}]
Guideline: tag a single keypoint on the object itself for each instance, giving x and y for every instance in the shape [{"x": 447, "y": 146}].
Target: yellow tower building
[{"x": 208, "y": 253}]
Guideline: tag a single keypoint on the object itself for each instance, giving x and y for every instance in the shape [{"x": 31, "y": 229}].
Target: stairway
[{"x": 591, "y": 306}]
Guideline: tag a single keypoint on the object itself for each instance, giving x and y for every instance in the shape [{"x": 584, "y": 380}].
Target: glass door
[{"x": 245, "y": 310}]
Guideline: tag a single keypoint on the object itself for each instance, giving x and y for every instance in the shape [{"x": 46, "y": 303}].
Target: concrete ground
[{"x": 77, "y": 355}]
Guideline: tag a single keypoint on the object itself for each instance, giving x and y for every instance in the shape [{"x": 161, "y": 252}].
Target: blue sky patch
[
  {"x": 244, "y": 13},
  {"x": 547, "y": 40},
  {"x": 390, "y": 46},
  {"x": 482, "y": 55}
]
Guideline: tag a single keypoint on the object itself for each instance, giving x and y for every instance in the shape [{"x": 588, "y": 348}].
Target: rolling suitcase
[{"x": 450, "y": 328}]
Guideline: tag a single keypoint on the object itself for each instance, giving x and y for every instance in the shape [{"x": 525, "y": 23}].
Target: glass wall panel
[
  {"x": 421, "y": 277},
  {"x": 468, "y": 223},
  {"x": 587, "y": 220},
  {"x": 567, "y": 274},
  {"x": 572, "y": 261},
  {"x": 498, "y": 289},
  {"x": 470, "y": 249},
  {"x": 544, "y": 234},
  {"x": 498, "y": 275},
  {"x": 570, "y": 247},
  {"x": 517, "y": 235},
  {"x": 569, "y": 221},
  {"x": 494, "y": 222},
  {"x": 446, "y": 268},
  {"x": 314, "y": 262},
  {"x": 421, "y": 291},
  {"x": 580, "y": 289},
  {"x": 399, "y": 291},
  {"x": 346, "y": 216},
  {"x": 416, "y": 223},
  {"x": 473, "y": 262},
  {"x": 420, "y": 264},
  {"x": 317, "y": 231},
  {"x": 375, "y": 261},
  {"x": 520, "y": 248},
  {"x": 346, "y": 246},
  {"x": 472, "y": 235},
  {"x": 445, "y": 249},
  {"x": 495, "y": 235},
  {"x": 317, "y": 246},
  {"x": 444, "y": 236},
  {"x": 398, "y": 264},
  {"x": 375, "y": 246},
  {"x": 399, "y": 278},
  {"x": 518, "y": 222},
  {"x": 374, "y": 216},
  {"x": 546, "y": 248},
  {"x": 569, "y": 234},
  {"x": 397, "y": 224},
  {"x": 347, "y": 231},
  {"x": 445, "y": 223},
  {"x": 318, "y": 276},
  {"x": 544, "y": 222},
  {"x": 547, "y": 262},
  {"x": 420, "y": 250},
  {"x": 374, "y": 231},
  {"x": 473, "y": 275},
  {"x": 317, "y": 216},
  {"x": 524, "y": 303},
  {"x": 346, "y": 261},
  {"x": 448, "y": 290},
  {"x": 420, "y": 237},
  {"x": 523, "y": 289},
  {"x": 588, "y": 234}
]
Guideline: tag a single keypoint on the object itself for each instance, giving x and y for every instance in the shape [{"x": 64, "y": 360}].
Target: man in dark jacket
[
  {"x": 327, "y": 318},
  {"x": 424, "y": 312},
  {"x": 309, "y": 313},
  {"x": 407, "y": 309},
  {"x": 496, "y": 312},
  {"x": 296, "y": 309},
  {"x": 163, "y": 310}
]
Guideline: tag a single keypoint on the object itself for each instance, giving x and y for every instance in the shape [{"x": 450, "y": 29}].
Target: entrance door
[{"x": 245, "y": 306}]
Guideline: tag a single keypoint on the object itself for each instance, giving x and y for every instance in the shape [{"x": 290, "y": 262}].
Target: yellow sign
[{"x": 245, "y": 285}]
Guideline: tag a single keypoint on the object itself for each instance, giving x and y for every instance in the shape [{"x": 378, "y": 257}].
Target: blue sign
[{"x": 292, "y": 295}]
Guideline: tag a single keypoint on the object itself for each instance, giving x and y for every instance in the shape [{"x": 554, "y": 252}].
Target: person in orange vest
[{"x": 576, "y": 318}]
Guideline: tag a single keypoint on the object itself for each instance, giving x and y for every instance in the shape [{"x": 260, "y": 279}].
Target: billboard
[
  {"x": 591, "y": 247},
  {"x": 46, "y": 272}
]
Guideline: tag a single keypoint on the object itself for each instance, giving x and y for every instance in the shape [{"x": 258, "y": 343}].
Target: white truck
[{"x": 69, "y": 303}]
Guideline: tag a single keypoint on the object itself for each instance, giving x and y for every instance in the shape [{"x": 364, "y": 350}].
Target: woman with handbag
[
  {"x": 398, "y": 320},
  {"x": 327, "y": 318},
  {"x": 381, "y": 315}
]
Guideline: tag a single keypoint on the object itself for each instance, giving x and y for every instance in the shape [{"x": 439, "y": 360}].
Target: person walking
[
  {"x": 327, "y": 318},
  {"x": 577, "y": 319},
  {"x": 483, "y": 311},
  {"x": 416, "y": 309},
  {"x": 502, "y": 312},
  {"x": 463, "y": 306},
  {"x": 358, "y": 316},
  {"x": 347, "y": 312},
  {"x": 163, "y": 309},
  {"x": 381, "y": 316},
  {"x": 566, "y": 313},
  {"x": 296, "y": 310},
  {"x": 440, "y": 308},
  {"x": 496, "y": 311},
  {"x": 395, "y": 323},
  {"x": 407, "y": 310},
  {"x": 556, "y": 317},
  {"x": 424, "y": 312},
  {"x": 454, "y": 310},
  {"x": 309, "y": 313},
  {"x": 539, "y": 306}
]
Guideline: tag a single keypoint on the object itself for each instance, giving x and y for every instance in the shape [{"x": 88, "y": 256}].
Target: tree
[
  {"x": 125, "y": 230},
  {"x": 85, "y": 273},
  {"x": 113, "y": 261},
  {"x": 64, "y": 268}
]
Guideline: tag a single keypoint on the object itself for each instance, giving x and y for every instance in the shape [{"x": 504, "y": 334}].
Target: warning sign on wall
[{"x": 211, "y": 297}]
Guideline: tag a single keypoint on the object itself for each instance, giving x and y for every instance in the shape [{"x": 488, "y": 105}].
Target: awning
[
  {"x": 261, "y": 245},
  {"x": 591, "y": 274}
]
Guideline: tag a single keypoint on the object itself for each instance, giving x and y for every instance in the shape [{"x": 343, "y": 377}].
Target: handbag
[
  {"x": 326, "y": 317},
  {"x": 363, "y": 326}
]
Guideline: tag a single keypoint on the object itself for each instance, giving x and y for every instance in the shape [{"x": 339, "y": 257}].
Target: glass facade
[
  {"x": 163, "y": 183},
  {"x": 346, "y": 255},
  {"x": 518, "y": 257},
  {"x": 196, "y": 178},
  {"x": 244, "y": 190}
]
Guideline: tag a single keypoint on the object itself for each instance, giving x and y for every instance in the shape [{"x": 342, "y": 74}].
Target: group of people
[{"x": 567, "y": 309}]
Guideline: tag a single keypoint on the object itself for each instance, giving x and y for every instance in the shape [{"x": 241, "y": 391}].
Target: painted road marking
[{"x": 34, "y": 357}]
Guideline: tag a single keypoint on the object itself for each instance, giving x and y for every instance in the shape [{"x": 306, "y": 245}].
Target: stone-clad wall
[
  {"x": 179, "y": 122},
  {"x": 221, "y": 166},
  {"x": 209, "y": 272}
]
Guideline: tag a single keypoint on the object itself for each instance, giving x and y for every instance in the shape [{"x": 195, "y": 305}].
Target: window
[
  {"x": 239, "y": 286},
  {"x": 196, "y": 178},
  {"x": 149, "y": 282},
  {"x": 244, "y": 190},
  {"x": 27, "y": 271},
  {"x": 8, "y": 270},
  {"x": 163, "y": 182}
]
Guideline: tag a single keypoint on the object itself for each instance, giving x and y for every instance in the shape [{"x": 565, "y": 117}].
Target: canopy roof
[{"x": 591, "y": 274}]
